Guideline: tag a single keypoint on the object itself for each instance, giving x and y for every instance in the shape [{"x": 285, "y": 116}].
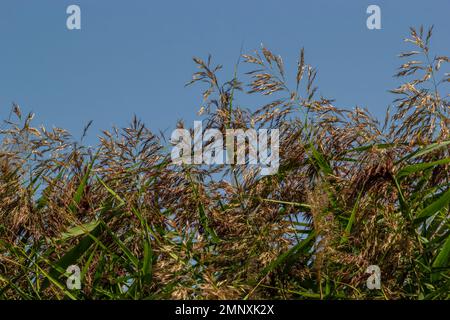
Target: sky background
[{"x": 134, "y": 56}]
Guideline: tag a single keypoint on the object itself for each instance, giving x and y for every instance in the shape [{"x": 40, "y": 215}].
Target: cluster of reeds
[{"x": 350, "y": 192}]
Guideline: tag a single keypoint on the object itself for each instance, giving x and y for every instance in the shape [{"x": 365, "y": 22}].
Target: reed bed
[{"x": 350, "y": 192}]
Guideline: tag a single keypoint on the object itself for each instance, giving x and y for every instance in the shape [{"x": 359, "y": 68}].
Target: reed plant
[{"x": 350, "y": 192}]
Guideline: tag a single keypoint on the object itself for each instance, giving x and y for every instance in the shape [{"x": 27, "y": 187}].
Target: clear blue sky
[{"x": 134, "y": 56}]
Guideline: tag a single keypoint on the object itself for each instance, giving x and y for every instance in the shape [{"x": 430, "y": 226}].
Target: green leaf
[
  {"x": 425, "y": 150},
  {"x": 442, "y": 201},
  {"x": 79, "y": 230},
  {"x": 112, "y": 192},
  {"x": 80, "y": 190},
  {"x": 365, "y": 148},
  {"x": 321, "y": 161},
  {"x": 204, "y": 221},
  {"x": 295, "y": 204},
  {"x": 420, "y": 167},
  {"x": 294, "y": 251},
  {"x": 351, "y": 220},
  {"x": 72, "y": 256},
  {"x": 122, "y": 246},
  {"x": 147, "y": 265},
  {"x": 442, "y": 259}
]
